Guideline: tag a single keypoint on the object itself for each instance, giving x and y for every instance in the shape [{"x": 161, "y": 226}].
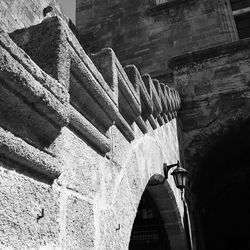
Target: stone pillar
[{"x": 227, "y": 20}]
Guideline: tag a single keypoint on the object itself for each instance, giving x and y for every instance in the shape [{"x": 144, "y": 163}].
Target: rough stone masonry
[
  {"x": 80, "y": 139},
  {"x": 210, "y": 70}
]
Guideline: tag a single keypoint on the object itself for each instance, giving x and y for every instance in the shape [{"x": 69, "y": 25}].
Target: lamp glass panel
[
  {"x": 184, "y": 179},
  {"x": 179, "y": 180},
  {"x": 175, "y": 180}
]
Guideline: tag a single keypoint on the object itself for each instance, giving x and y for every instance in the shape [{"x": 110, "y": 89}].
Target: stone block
[
  {"x": 81, "y": 172},
  {"x": 110, "y": 174},
  {"x": 80, "y": 229},
  {"x": 22, "y": 222},
  {"x": 17, "y": 150},
  {"x": 25, "y": 97},
  {"x": 125, "y": 212},
  {"x": 128, "y": 95},
  {"x": 133, "y": 177},
  {"x": 120, "y": 147},
  {"x": 109, "y": 231},
  {"x": 46, "y": 44}
]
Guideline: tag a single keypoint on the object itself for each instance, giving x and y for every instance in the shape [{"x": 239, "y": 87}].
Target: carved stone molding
[{"x": 48, "y": 82}]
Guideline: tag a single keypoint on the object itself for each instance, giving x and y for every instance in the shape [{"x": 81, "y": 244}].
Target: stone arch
[
  {"x": 231, "y": 143},
  {"x": 148, "y": 231},
  {"x": 221, "y": 187},
  {"x": 199, "y": 142},
  {"x": 134, "y": 168},
  {"x": 169, "y": 210}
]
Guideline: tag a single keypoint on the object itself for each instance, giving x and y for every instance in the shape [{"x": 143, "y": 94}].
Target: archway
[
  {"x": 222, "y": 189},
  {"x": 148, "y": 231},
  {"x": 159, "y": 221}
]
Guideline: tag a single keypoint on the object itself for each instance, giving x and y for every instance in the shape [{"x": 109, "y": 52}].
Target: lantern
[{"x": 180, "y": 176}]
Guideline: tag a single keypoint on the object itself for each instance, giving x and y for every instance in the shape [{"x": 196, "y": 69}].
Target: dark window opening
[
  {"x": 239, "y": 4},
  {"x": 241, "y": 13},
  {"x": 159, "y": 7},
  {"x": 243, "y": 25}
]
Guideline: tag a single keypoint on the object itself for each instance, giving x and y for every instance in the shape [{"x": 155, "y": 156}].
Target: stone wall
[
  {"x": 148, "y": 35},
  {"x": 214, "y": 88},
  {"x": 80, "y": 139},
  {"x": 214, "y": 119}
]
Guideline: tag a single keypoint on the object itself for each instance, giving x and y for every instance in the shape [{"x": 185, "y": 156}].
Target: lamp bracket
[{"x": 166, "y": 168}]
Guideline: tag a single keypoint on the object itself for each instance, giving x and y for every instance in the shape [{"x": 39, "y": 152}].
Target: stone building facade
[
  {"x": 201, "y": 48},
  {"x": 148, "y": 33},
  {"x": 81, "y": 138},
  {"x": 85, "y": 130}
]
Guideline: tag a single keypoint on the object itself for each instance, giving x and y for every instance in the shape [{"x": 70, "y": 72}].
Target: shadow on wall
[{"x": 222, "y": 188}]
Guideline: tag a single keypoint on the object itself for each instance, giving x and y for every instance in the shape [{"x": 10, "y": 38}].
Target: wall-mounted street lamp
[
  {"x": 180, "y": 177},
  {"x": 180, "y": 174}
]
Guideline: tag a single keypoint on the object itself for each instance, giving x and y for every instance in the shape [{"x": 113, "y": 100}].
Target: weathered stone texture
[
  {"x": 16, "y": 14},
  {"x": 146, "y": 37},
  {"x": 80, "y": 231},
  {"x": 30, "y": 96},
  {"x": 128, "y": 177},
  {"x": 44, "y": 45},
  {"x": 109, "y": 191},
  {"x": 86, "y": 172},
  {"x": 81, "y": 171},
  {"x": 214, "y": 87},
  {"x": 22, "y": 201}
]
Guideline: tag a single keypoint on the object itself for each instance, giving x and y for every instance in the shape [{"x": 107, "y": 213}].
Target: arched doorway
[
  {"x": 222, "y": 188},
  {"x": 148, "y": 231},
  {"x": 158, "y": 223}
]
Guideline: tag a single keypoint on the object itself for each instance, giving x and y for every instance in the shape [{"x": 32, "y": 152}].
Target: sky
[{"x": 69, "y": 8}]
